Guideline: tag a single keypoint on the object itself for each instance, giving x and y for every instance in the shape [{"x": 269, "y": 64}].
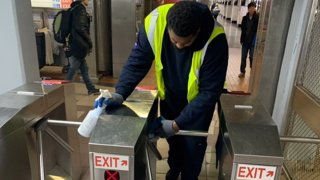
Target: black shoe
[
  {"x": 241, "y": 75},
  {"x": 172, "y": 175},
  {"x": 94, "y": 92}
]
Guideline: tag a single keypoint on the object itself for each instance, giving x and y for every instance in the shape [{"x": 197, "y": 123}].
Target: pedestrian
[
  {"x": 190, "y": 53},
  {"x": 80, "y": 44},
  {"x": 249, "y": 26}
]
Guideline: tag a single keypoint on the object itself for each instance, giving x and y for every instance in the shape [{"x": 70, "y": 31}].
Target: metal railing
[{"x": 295, "y": 139}]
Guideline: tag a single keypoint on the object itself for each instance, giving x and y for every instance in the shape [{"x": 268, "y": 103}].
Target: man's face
[
  {"x": 85, "y": 2},
  {"x": 181, "y": 42},
  {"x": 251, "y": 10}
]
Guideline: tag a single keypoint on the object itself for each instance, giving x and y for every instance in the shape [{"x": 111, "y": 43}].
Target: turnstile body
[
  {"x": 248, "y": 145},
  {"x": 117, "y": 147},
  {"x": 20, "y": 110}
]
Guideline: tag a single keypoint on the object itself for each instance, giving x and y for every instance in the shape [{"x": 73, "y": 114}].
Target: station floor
[{"x": 234, "y": 83}]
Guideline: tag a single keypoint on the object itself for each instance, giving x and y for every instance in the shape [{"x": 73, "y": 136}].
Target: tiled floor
[
  {"x": 209, "y": 172},
  {"x": 234, "y": 83}
]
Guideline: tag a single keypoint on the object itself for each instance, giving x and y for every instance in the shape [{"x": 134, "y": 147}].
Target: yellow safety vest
[{"x": 155, "y": 25}]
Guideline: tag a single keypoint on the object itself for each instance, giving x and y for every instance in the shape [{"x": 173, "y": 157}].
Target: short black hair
[
  {"x": 184, "y": 18},
  {"x": 252, "y": 4}
]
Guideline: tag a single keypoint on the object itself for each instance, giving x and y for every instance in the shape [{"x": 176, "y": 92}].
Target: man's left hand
[
  {"x": 163, "y": 128},
  {"x": 168, "y": 129}
]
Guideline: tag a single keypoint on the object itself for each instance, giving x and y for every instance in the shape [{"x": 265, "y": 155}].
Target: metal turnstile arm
[
  {"x": 41, "y": 126},
  {"x": 192, "y": 133},
  {"x": 63, "y": 123},
  {"x": 296, "y": 139}
]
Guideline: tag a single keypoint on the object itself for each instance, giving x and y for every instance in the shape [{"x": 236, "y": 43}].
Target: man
[
  {"x": 190, "y": 51},
  {"x": 249, "y": 26},
  {"x": 80, "y": 44},
  {"x": 214, "y": 10}
]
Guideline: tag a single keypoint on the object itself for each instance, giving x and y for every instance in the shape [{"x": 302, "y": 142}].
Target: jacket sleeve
[
  {"x": 197, "y": 114},
  {"x": 137, "y": 66},
  {"x": 243, "y": 29},
  {"x": 81, "y": 24}
]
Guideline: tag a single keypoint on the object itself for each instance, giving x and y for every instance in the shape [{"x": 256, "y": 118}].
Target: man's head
[
  {"x": 184, "y": 21},
  {"x": 251, "y": 8}
]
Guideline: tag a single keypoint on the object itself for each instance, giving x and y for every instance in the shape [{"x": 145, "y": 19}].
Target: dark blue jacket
[
  {"x": 196, "y": 115},
  {"x": 248, "y": 36}
]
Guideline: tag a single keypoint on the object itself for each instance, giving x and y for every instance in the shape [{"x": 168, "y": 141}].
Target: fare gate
[
  {"x": 248, "y": 145},
  {"x": 119, "y": 147},
  {"x": 120, "y": 153}
]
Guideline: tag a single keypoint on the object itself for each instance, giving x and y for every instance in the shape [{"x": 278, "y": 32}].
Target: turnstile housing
[
  {"x": 20, "y": 110},
  {"x": 117, "y": 147},
  {"x": 248, "y": 145}
]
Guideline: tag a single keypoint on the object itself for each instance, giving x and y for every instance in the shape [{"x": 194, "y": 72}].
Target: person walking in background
[
  {"x": 80, "y": 44},
  {"x": 249, "y": 26},
  {"x": 190, "y": 52}
]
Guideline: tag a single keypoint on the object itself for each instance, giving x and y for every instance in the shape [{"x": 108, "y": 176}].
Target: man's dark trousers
[
  {"x": 244, "y": 54},
  {"x": 186, "y": 154}
]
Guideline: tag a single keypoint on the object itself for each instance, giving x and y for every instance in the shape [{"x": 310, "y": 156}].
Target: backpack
[{"x": 62, "y": 25}]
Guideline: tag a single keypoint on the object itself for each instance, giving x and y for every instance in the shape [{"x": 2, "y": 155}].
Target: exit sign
[
  {"x": 256, "y": 172},
  {"x": 111, "y": 161}
]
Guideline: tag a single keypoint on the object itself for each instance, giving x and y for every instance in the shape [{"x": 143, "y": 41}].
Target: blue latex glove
[
  {"x": 167, "y": 130},
  {"x": 114, "y": 101},
  {"x": 99, "y": 102}
]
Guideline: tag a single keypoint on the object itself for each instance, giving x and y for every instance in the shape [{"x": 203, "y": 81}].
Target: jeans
[
  {"x": 75, "y": 64},
  {"x": 244, "y": 54},
  {"x": 186, "y": 154}
]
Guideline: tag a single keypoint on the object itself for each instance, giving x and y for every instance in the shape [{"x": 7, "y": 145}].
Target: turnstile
[
  {"x": 21, "y": 109},
  {"x": 248, "y": 145},
  {"x": 118, "y": 147}
]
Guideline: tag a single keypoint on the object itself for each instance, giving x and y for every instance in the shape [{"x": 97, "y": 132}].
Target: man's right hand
[
  {"x": 113, "y": 102},
  {"x": 162, "y": 127}
]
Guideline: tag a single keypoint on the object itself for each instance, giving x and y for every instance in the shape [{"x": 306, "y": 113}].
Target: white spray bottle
[{"x": 92, "y": 117}]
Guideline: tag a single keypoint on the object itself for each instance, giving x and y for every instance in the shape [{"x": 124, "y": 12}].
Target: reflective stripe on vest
[{"x": 155, "y": 25}]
